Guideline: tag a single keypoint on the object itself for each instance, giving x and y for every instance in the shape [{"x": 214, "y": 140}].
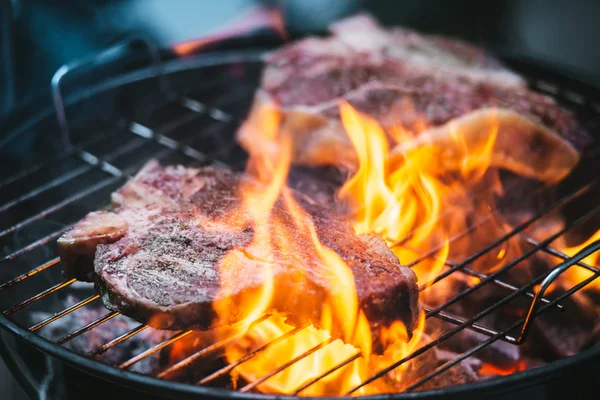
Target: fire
[
  {"x": 420, "y": 198},
  {"x": 343, "y": 330},
  {"x": 415, "y": 202},
  {"x": 577, "y": 274}
]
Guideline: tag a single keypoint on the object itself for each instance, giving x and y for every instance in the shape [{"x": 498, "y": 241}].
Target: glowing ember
[{"x": 490, "y": 369}]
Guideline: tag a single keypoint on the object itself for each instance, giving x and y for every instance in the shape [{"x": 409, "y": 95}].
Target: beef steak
[
  {"x": 156, "y": 256},
  {"x": 428, "y": 85}
]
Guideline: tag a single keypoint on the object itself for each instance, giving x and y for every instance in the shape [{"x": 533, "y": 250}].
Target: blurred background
[{"x": 37, "y": 37}]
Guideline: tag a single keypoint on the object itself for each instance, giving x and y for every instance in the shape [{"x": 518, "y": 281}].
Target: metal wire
[
  {"x": 154, "y": 349},
  {"x": 229, "y": 367},
  {"x": 479, "y": 275},
  {"x": 288, "y": 364},
  {"x": 161, "y": 137},
  {"x": 462, "y": 326},
  {"x": 215, "y": 346},
  {"x": 516, "y": 230},
  {"x": 523, "y": 321},
  {"x": 100, "y": 136},
  {"x": 117, "y": 340},
  {"x": 64, "y": 312},
  {"x": 87, "y": 328},
  {"x": 39, "y": 296},
  {"x": 31, "y": 273}
]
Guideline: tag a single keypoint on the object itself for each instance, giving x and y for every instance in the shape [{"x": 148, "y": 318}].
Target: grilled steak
[
  {"x": 156, "y": 256},
  {"x": 425, "y": 84}
]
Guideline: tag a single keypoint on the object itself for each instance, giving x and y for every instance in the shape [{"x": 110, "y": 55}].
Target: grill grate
[{"x": 173, "y": 138}]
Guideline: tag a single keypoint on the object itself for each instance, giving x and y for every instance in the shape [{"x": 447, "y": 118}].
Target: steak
[
  {"x": 156, "y": 256},
  {"x": 427, "y": 85}
]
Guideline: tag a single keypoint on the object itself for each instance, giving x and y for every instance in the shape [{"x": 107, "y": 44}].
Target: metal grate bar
[
  {"x": 154, "y": 349},
  {"x": 117, "y": 340},
  {"x": 198, "y": 107},
  {"x": 402, "y": 241},
  {"x": 521, "y": 322},
  {"x": 92, "y": 162},
  {"x": 517, "y": 230},
  {"x": 328, "y": 372},
  {"x": 515, "y": 261},
  {"x": 501, "y": 284},
  {"x": 307, "y": 353},
  {"x": 56, "y": 234},
  {"x": 87, "y": 328},
  {"x": 32, "y": 246},
  {"x": 71, "y": 199},
  {"x": 559, "y": 254},
  {"x": 31, "y": 273},
  {"x": 246, "y": 357},
  {"x": 147, "y": 133},
  {"x": 39, "y": 296},
  {"x": 459, "y": 328},
  {"x": 64, "y": 312},
  {"x": 479, "y": 275},
  {"x": 215, "y": 346},
  {"x": 63, "y": 156},
  {"x": 95, "y": 162},
  {"x": 47, "y": 186},
  {"x": 453, "y": 319}
]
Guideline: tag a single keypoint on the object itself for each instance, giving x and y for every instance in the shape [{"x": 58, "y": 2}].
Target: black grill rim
[{"x": 171, "y": 389}]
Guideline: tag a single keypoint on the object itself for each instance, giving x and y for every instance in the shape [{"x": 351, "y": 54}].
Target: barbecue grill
[{"x": 186, "y": 110}]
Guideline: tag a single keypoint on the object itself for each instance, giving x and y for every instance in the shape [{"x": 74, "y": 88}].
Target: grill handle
[
  {"x": 112, "y": 53},
  {"x": 556, "y": 272}
]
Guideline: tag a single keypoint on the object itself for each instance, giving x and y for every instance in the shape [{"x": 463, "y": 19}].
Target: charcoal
[
  {"x": 102, "y": 334},
  {"x": 499, "y": 353},
  {"x": 564, "y": 333},
  {"x": 461, "y": 373}
]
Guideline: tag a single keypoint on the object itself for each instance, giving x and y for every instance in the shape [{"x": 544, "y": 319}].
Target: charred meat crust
[
  {"x": 401, "y": 78},
  {"x": 162, "y": 268}
]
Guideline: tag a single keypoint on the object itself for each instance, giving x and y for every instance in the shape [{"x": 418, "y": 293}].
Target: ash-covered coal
[{"x": 103, "y": 334}]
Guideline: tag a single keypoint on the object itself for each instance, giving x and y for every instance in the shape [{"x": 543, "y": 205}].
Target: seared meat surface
[
  {"x": 424, "y": 84},
  {"x": 156, "y": 256}
]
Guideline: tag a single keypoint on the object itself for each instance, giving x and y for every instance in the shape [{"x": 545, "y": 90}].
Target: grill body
[{"x": 208, "y": 96}]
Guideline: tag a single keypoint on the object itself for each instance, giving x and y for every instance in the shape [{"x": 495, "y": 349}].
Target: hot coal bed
[{"x": 59, "y": 340}]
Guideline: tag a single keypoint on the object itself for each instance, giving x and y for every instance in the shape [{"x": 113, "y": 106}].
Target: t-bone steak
[
  {"x": 155, "y": 257},
  {"x": 429, "y": 85}
]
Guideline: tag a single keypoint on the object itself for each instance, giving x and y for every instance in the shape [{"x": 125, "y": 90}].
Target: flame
[
  {"x": 577, "y": 274},
  {"x": 343, "y": 329},
  {"x": 421, "y": 200},
  {"x": 415, "y": 203},
  {"x": 253, "y": 19}
]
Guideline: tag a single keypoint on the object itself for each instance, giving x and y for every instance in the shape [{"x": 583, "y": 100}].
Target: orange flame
[
  {"x": 576, "y": 273},
  {"x": 422, "y": 199},
  {"x": 253, "y": 19},
  {"x": 297, "y": 239},
  {"x": 406, "y": 200}
]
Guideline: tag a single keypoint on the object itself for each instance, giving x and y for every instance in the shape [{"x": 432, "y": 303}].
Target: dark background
[{"x": 36, "y": 37}]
